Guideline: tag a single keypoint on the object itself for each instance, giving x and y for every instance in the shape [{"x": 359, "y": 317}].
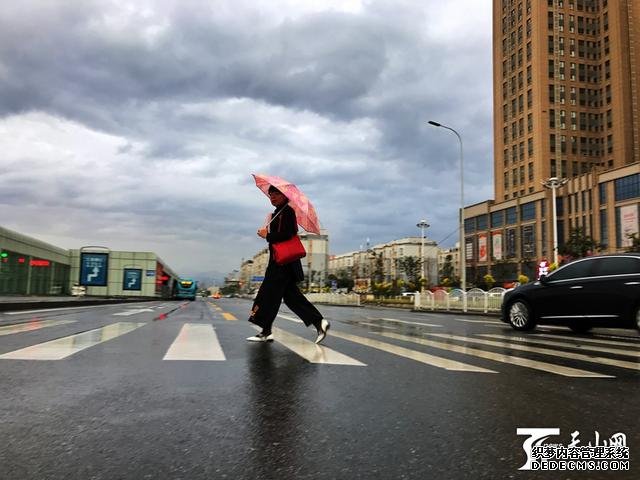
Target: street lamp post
[
  {"x": 554, "y": 183},
  {"x": 422, "y": 225},
  {"x": 463, "y": 270}
]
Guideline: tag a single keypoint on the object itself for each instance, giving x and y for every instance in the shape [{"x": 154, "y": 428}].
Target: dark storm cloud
[{"x": 192, "y": 100}]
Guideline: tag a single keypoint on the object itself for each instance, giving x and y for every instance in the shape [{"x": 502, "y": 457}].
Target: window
[
  {"x": 481, "y": 222},
  {"x": 578, "y": 269},
  {"x": 627, "y": 187},
  {"x": 603, "y": 193},
  {"x": 511, "y": 215},
  {"x": 469, "y": 225},
  {"x": 604, "y": 228},
  {"x": 616, "y": 266},
  {"x": 497, "y": 219},
  {"x": 528, "y": 241},
  {"x": 528, "y": 211}
]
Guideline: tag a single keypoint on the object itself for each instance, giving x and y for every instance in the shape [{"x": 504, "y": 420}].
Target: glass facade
[
  {"x": 627, "y": 187},
  {"x": 23, "y": 274}
]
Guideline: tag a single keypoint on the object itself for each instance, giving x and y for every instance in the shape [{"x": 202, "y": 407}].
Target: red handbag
[{"x": 288, "y": 251}]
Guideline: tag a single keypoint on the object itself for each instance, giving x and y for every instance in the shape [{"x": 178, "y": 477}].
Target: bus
[{"x": 185, "y": 288}]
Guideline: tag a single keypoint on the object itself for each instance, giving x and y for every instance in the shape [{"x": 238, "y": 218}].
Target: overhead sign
[
  {"x": 93, "y": 269},
  {"x": 132, "y": 279},
  {"x": 151, "y": 273}
]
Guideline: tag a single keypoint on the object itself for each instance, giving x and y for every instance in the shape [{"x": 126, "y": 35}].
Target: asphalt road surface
[{"x": 171, "y": 390}]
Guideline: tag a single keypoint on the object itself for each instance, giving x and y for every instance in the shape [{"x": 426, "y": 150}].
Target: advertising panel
[
  {"x": 93, "y": 269},
  {"x": 132, "y": 279},
  {"x": 497, "y": 245},
  {"x": 482, "y": 247},
  {"x": 628, "y": 223}
]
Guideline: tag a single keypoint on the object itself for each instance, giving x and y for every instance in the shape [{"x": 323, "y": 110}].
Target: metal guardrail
[
  {"x": 477, "y": 300},
  {"x": 335, "y": 298}
]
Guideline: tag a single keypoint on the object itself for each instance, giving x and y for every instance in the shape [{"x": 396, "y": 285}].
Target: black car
[{"x": 600, "y": 291}]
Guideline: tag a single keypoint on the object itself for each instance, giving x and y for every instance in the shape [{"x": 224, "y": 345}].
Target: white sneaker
[
  {"x": 261, "y": 337},
  {"x": 322, "y": 331}
]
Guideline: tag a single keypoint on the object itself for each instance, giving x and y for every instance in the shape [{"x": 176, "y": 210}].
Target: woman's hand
[{"x": 262, "y": 232}]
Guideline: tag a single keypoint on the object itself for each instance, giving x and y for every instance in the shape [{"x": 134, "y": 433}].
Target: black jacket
[{"x": 283, "y": 228}]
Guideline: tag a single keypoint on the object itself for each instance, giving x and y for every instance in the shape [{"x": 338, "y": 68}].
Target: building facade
[
  {"x": 362, "y": 264},
  {"x": 566, "y": 107}
]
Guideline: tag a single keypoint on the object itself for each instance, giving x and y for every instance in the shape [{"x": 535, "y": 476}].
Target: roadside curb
[{"x": 36, "y": 305}]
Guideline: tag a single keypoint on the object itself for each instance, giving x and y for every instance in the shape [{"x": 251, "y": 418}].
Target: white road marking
[
  {"x": 411, "y": 354},
  {"x": 406, "y": 321},
  {"x": 499, "y": 357},
  {"x": 196, "y": 341},
  {"x": 534, "y": 340},
  {"x": 30, "y": 326},
  {"x": 377, "y": 325},
  {"x": 24, "y": 312},
  {"x": 310, "y": 351},
  {"x": 545, "y": 351},
  {"x": 477, "y": 321},
  {"x": 291, "y": 319},
  {"x": 631, "y": 343},
  {"x": 66, "y": 346},
  {"x": 134, "y": 311}
]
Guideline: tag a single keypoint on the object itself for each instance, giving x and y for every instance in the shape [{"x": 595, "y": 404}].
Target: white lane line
[
  {"x": 476, "y": 321},
  {"x": 411, "y": 354},
  {"x": 312, "y": 352},
  {"x": 30, "y": 326},
  {"x": 544, "y": 351},
  {"x": 499, "y": 357},
  {"x": 25, "y": 312},
  {"x": 534, "y": 340},
  {"x": 631, "y": 344},
  {"x": 377, "y": 325},
  {"x": 406, "y": 321},
  {"x": 66, "y": 346},
  {"x": 196, "y": 341},
  {"x": 133, "y": 311}
]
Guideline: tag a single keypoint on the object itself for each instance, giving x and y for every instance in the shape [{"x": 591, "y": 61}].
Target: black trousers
[{"x": 279, "y": 285}]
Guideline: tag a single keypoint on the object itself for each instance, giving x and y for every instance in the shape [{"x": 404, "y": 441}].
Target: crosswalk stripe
[
  {"x": 406, "y": 321},
  {"x": 411, "y": 354},
  {"x": 196, "y": 341},
  {"x": 228, "y": 316},
  {"x": 66, "y": 346},
  {"x": 545, "y": 351},
  {"x": 30, "y": 326},
  {"x": 534, "y": 340},
  {"x": 499, "y": 357},
  {"x": 312, "y": 352},
  {"x": 631, "y": 343}
]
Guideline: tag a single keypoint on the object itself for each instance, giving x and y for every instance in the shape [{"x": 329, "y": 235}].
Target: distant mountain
[{"x": 208, "y": 279}]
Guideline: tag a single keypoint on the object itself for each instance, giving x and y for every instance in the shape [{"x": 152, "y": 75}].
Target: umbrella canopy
[{"x": 305, "y": 213}]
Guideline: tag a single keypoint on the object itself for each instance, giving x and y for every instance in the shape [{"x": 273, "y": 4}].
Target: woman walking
[{"x": 280, "y": 281}]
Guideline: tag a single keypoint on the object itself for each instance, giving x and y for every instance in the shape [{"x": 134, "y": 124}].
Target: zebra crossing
[{"x": 591, "y": 357}]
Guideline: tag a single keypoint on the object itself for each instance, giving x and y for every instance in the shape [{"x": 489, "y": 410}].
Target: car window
[
  {"x": 616, "y": 266},
  {"x": 573, "y": 270}
]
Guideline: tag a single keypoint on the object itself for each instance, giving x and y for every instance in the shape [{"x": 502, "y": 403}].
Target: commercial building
[
  {"x": 29, "y": 266},
  {"x": 363, "y": 264},
  {"x": 565, "y": 107}
]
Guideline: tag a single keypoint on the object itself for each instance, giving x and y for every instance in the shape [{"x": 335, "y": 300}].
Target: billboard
[
  {"x": 482, "y": 247},
  {"x": 93, "y": 269},
  {"x": 628, "y": 223},
  {"x": 497, "y": 245},
  {"x": 132, "y": 279}
]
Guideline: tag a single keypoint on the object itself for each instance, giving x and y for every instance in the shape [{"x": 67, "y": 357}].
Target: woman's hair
[{"x": 274, "y": 189}]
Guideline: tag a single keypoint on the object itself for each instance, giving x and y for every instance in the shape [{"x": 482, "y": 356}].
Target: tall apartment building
[
  {"x": 566, "y": 86},
  {"x": 566, "y": 76}
]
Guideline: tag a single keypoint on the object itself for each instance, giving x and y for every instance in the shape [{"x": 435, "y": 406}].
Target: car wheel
[
  {"x": 580, "y": 327},
  {"x": 521, "y": 316}
]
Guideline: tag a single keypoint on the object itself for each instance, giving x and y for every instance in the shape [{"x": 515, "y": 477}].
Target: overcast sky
[{"x": 136, "y": 125}]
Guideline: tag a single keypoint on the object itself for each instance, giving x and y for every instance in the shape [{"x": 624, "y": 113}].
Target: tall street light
[
  {"x": 554, "y": 183},
  {"x": 422, "y": 225},
  {"x": 463, "y": 270}
]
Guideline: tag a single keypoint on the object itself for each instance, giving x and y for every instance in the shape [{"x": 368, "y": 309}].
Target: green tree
[
  {"x": 579, "y": 245},
  {"x": 411, "y": 266},
  {"x": 447, "y": 270},
  {"x": 635, "y": 242}
]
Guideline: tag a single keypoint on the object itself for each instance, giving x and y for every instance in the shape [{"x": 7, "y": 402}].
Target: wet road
[{"x": 171, "y": 390}]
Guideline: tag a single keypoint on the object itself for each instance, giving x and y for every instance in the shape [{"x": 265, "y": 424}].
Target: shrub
[{"x": 522, "y": 279}]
